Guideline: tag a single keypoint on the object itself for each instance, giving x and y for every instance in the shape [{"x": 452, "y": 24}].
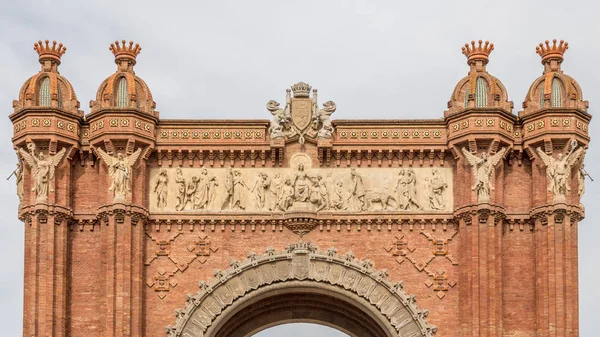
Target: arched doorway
[
  {"x": 301, "y": 284},
  {"x": 300, "y": 330}
]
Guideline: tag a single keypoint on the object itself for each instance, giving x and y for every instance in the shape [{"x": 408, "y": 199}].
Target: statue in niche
[
  {"x": 323, "y": 117},
  {"x": 227, "y": 203},
  {"x": 261, "y": 191},
  {"x": 120, "y": 170},
  {"x": 336, "y": 198},
  {"x": 161, "y": 185},
  {"x": 559, "y": 170},
  {"x": 356, "y": 199},
  {"x": 181, "y": 195},
  {"x": 201, "y": 192},
  {"x": 437, "y": 186},
  {"x": 482, "y": 172},
  {"x": 301, "y": 186},
  {"x": 42, "y": 169},
  {"x": 286, "y": 198},
  {"x": 281, "y": 117},
  {"x": 407, "y": 191},
  {"x": 238, "y": 199}
]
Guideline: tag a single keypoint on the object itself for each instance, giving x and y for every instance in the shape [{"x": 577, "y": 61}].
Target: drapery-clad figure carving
[
  {"x": 120, "y": 170},
  {"x": 286, "y": 199},
  {"x": 227, "y": 203},
  {"x": 42, "y": 169},
  {"x": 482, "y": 172},
  {"x": 559, "y": 170},
  {"x": 261, "y": 191},
  {"x": 161, "y": 189},
  {"x": 212, "y": 191},
  {"x": 201, "y": 194},
  {"x": 301, "y": 186},
  {"x": 357, "y": 192},
  {"x": 238, "y": 199},
  {"x": 180, "y": 181},
  {"x": 19, "y": 177},
  {"x": 406, "y": 190},
  {"x": 437, "y": 186}
]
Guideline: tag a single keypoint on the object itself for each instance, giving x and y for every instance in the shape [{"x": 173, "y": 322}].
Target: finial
[
  {"x": 49, "y": 52},
  {"x": 478, "y": 52},
  {"x": 552, "y": 52},
  {"x": 124, "y": 51}
]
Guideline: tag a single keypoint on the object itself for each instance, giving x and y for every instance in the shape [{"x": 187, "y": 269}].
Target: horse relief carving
[{"x": 301, "y": 189}]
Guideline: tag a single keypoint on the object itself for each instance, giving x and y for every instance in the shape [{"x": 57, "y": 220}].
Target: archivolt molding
[{"x": 301, "y": 262}]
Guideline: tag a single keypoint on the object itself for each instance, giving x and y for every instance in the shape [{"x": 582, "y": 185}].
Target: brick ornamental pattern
[{"x": 103, "y": 261}]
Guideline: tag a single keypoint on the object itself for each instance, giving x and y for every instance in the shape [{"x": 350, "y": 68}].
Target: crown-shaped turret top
[
  {"x": 552, "y": 55},
  {"x": 125, "y": 55},
  {"x": 301, "y": 89},
  {"x": 480, "y": 52},
  {"x": 49, "y": 54}
]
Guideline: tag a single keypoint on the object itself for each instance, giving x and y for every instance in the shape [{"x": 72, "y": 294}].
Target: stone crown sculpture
[
  {"x": 478, "y": 52},
  {"x": 47, "y": 52},
  {"x": 554, "y": 52}
]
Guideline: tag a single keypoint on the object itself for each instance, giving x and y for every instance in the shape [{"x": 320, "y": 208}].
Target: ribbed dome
[
  {"x": 478, "y": 89},
  {"x": 553, "y": 89},
  {"x": 124, "y": 89},
  {"x": 48, "y": 89}
]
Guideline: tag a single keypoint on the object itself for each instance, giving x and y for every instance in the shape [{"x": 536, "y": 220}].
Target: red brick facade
[{"x": 103, "y": 259}]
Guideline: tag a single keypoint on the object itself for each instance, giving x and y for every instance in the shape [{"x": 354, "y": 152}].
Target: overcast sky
[{"x": 226, "y": 59}]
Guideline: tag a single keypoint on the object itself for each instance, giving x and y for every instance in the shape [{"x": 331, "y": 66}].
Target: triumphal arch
[{"x": 464, "y": 225}]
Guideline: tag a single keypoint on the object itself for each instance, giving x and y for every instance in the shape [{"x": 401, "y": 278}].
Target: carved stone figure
[
  {"x": 161, "y": 185},
  {"x": 212, "y": 191},
  {"x": 357, "y": 192},
  {"x": 323, "y": 117},
  {"x": 406, "y": 190},
  {"x": 336, "y": 198},
  {"x": 201, "y": 194},
  {"x": 120, "y": 170},
  {"x": 190, "y": 192},
  {"x": 286, "y": 199},
  {"x": 19, "y": 177},
  {"x": 180, "y": 181},
  {"x": 275, "y": 191},
  {"x": 280, "y": 117},
  {"x": 482, "y": 172},
  {"x": 437, "y": 186},
  {"x": 42, "y": 169},
  {"x": 261, "y": 191},
  {"x": 323, "y": 193},
  {"x": 239, "y": 198},
  {"x": 559, "y": 170},
  {"x": 227, "y": 203},
  {"x": 301, "y": 186}
]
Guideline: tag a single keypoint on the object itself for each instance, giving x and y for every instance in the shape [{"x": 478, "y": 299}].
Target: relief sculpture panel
[{"x": 301, "y": 189}]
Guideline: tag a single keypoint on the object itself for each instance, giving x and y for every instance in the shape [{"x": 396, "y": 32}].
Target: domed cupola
[
  {"x": 479, "y": 89},
  {"x": 124, "y": 89},
  {"x": 48, "y": 89},
  {"x": 554, "y": 89}
]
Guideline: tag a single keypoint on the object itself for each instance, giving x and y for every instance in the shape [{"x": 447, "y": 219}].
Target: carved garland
[{"x": 301, "y": 261}]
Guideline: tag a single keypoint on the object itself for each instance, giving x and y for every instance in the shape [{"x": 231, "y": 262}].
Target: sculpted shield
[{"x": 301, "y": 113}]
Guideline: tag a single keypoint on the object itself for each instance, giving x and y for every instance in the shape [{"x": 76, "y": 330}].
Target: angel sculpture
[
  {"x": 119, "y": 169},
  {"x": 559, "y": 170},
  {"x": 42, "y": 169},
  {"x": 482, "y": 171}
]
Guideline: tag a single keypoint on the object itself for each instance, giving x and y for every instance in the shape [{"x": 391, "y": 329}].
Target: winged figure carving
[
  {"x": 42, "y": 170},
  {"x": 559, "y": 170},
  {"x": 482, "y": 172},
  {"x": 120, "y": 170}
]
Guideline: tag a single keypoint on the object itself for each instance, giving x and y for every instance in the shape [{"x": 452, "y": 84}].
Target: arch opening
[
  {"x": 301, "y": 284},
  {"x": 300, "y": 330}
]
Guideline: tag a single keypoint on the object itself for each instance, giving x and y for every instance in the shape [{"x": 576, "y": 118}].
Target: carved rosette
[{"x": 301, "y": 261}]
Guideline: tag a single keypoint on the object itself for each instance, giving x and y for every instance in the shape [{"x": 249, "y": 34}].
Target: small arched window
[
  {"x": 556, "y": 94},
  {"x": 122, "y": 96},
  {"x": 45, "y": 92},
  {"x": 60, "y": 105},
  {"x": 480, "y": 93}
]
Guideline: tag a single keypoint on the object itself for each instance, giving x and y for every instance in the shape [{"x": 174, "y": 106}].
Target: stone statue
[
  {"x": 323, "y": 117},
  {"x": 190, "y": 192},
  {"x": 260, "y": 190},
  {"x": 161, "y": 189},
  {"x": 286, "y": 198},
  {"x": 301, "y": 186},
  {"x": 19, "y": 176},
  {"x": 212, "y": 191},
  {"x": 437, "y": 186},
  {"x": 406, "y": 190},
  {"x": 482, "y": 172},
  {"x": 201, "y": 193},
  {"x": 280, "y": 117},
  {"x": 559, "y": 170},
  {"x": 120, "y": 170},
  {"x": 180, "y": 181},
  {"x": 357, "y": 192},
  {"x": 42, "y": 169},
  {"x": 227, "y": 203},
  {"x": 336, "y": 198},
  {"x": 275, "y": 191},
  {"x": 239, "y": 197}
]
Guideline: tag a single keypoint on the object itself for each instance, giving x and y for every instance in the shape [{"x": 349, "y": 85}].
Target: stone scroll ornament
[
  {"x": 42, "y": 170},
  {"x": 559, "y": 170},
  {"x": 300, "y": 262},
  {"x": 482, "y": 172},
  {"x": 119, "y": 170}
]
